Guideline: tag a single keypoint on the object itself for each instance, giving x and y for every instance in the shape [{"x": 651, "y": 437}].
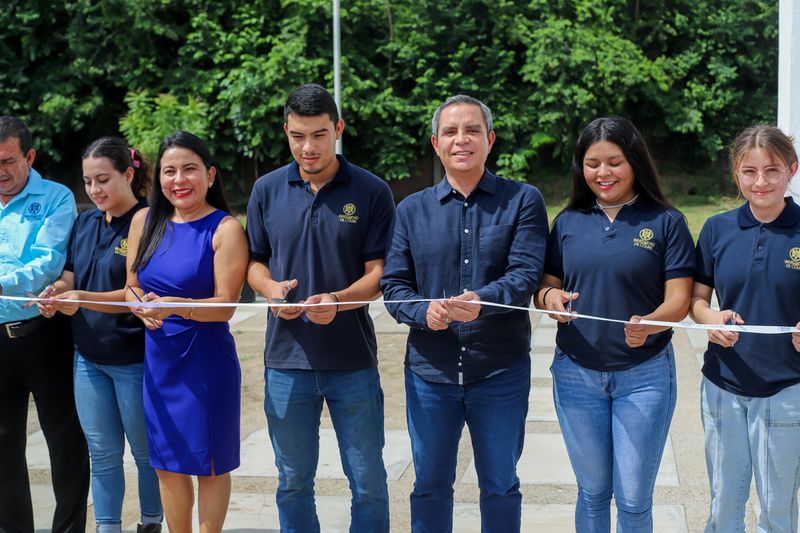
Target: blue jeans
[
  {"x": 494, "y": 409},
  {"x": 293, "y": 405},
  {"x": 108, "y": 399},
  {"x": 615, "y": 425},
  {"x": 747, "y": 436}
]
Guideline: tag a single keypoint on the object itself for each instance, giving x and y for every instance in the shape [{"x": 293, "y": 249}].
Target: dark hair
[
  {"x": 122, "y": 158},
  {"x": 160, "y": 208},
  {"x": 624, "y": 134},
  {"x": 462, "y": 99},
  {"x": 311, "y": 100},
  {"x": 14, "y": 127}
]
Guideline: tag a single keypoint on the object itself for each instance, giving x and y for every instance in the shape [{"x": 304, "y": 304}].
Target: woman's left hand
[
  {"x": 796, "y": 338},
  {"x": 64, "y": 302},
  {"x": 635, "y": 333},
  {"x": 154, "y": 314}
]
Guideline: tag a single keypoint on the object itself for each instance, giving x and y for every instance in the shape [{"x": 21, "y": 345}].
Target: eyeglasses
[{"x": 771, "y": 174}]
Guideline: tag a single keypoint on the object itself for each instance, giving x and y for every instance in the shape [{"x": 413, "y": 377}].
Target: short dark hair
[
  {"x": 161, "y": 209},
  {"x": 14, "y": 127},
  {"x": 311, "y": 100},
  {"x": 122, "y": 158},
  {"x": 462, "y": 99},
  {"x": 624, "y": 134}
]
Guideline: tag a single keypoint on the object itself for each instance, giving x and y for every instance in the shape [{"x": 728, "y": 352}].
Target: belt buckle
[{"x": 9, "y": 332}]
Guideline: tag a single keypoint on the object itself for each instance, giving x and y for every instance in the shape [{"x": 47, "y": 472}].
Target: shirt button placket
[{"x": 466, "y": 275}]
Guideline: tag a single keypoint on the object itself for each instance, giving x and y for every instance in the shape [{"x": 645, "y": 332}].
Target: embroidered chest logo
[
  {"x": 794, "y": 259},
  {"x": 348, "y": 214},
  {"x": 645, "y": 239},
  {"x": 34, "y": 211},
  {"x": 122, "y": 249}
]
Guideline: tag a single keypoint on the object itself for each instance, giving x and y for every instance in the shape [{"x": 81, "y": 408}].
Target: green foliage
[
  {"x": 690, "y": 73},
  {"x": 151, "y": 118}
]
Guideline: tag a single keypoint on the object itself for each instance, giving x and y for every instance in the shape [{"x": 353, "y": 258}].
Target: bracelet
[
  {"x": 191, "y": 311},
  {"x": 335, "y": 298},
  {"x": 545, "y": 294}
]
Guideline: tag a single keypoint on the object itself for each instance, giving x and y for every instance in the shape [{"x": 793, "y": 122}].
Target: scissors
[
  {"x": 731, "y": 321},
  {"x": 569, "y": 308},
  {"x": 150, "y": 321}
]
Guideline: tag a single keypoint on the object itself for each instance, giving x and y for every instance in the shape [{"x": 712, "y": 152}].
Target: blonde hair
[{"x": 768, "y": 138}]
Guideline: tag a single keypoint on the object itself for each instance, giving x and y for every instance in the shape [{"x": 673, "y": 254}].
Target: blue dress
[{"x": 191, "y": 372}]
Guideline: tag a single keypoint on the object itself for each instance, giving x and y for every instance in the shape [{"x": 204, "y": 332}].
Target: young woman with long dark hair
[{"x": 630, "y": 255}]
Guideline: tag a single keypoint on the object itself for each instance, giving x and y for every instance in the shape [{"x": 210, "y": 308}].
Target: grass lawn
[{"x": 696, "y": 209}]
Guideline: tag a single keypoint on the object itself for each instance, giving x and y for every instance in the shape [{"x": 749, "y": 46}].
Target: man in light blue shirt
[{"x": 36, "y": 217}]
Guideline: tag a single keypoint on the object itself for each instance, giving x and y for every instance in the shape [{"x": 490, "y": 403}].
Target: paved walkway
[{"x": 548, "y": 485}]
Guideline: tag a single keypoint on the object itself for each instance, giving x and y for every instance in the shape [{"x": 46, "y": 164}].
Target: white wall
[{"x": 789, "y": 78}]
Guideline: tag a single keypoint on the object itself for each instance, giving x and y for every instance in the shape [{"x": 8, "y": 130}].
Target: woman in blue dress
[
  {"x": 750, "y": 393},
  {"x": 189, "y": 249},
  {"x": 109, "y": 341}
]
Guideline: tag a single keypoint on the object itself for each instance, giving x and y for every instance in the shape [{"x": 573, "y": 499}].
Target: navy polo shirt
[
  {"x": 755, "y": 269},
  {"x": 492, "y": 243},
  {"x": 619, "y": 268},
  {"x": 323, "y": 241},
  {"x": 96, "y": 255}
]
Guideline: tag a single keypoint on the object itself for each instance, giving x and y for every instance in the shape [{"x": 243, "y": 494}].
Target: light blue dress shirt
[{"x": 34, "y": 233}]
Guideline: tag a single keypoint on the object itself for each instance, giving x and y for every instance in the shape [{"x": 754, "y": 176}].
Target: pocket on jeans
[
  {"x": 784, "y": 408},
  {"x": 558, "y": 357},
  {"x": 559, "y": 354}
]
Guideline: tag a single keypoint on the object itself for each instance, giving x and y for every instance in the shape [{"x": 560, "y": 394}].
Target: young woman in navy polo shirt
[
  {"x": 109, "y": 341},
  {"x": 750, "y": 394},
  {"x": 630, "y": 255}
]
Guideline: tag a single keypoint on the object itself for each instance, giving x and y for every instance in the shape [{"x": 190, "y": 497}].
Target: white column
[{"x": 789, "y": 77}]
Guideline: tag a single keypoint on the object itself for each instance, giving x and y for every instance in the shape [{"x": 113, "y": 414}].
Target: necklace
[{"x": 629, "y": 202}]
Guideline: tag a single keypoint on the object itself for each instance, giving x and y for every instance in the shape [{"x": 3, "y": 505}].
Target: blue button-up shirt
[
  {"x": 493, "y": 243},
  {"x": 35, "y": 226}
]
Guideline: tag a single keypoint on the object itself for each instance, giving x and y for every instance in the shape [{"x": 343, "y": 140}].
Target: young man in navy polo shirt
[
  {"x": 472, "y": 237},
  {"x": 318, "y": 229}
]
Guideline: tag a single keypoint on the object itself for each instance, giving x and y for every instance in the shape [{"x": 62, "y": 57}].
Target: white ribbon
[{"x": 741, "y": 328}]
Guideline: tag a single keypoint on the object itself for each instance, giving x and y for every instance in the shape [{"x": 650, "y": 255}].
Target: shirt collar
[
  {"x": 96, "y": 213},
  {"x": 342, "y": 175},
  {"x": 788, "y": 217},
  {"x": 488, "y": 184},
  {"x": 34, "y": 184}
]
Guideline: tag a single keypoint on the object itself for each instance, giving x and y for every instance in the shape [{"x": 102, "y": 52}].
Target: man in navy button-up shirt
[
  {"x": 318, "y": 230},
  {"x": 473, "y": 237},
  {"x": 36, "y": 217}
]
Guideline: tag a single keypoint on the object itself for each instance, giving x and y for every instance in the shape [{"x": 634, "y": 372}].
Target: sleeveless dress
[{"x": 192, "y": 377}]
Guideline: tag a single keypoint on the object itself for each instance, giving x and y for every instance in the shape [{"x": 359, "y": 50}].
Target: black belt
[{"x": 21, "y": 328}]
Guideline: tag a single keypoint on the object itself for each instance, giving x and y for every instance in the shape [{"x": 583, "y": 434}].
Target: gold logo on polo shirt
[
  {"x": 122, "y": 248},
  {"x": 794, "y": 259},
  {"x": 645, "y": 239},
  {"x": 348, "y": 214}
]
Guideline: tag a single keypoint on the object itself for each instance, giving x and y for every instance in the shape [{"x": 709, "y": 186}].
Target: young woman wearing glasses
[{"x": 750, "y": 395}]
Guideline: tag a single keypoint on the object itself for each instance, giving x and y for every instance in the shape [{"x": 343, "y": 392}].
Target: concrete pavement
[{"x": 548, "y": 485}]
